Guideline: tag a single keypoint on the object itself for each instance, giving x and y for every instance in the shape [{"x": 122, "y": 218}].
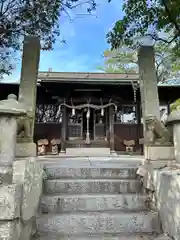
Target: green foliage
[
  {"x": 34, "y": 17},
  {"x": 158, "y": 18},
  {"x": 175, "y": 105},
  {"x": 124, "y": 60},
  {"x": 167, "y": 62},
  {"x": 119, "y": 61}
]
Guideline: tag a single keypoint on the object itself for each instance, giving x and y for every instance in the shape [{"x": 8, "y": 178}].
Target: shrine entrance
[{"x": 87, "y": 125}]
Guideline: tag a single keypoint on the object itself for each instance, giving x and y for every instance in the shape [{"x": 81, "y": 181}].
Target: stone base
[
  {"x": 167, "y": 195},
  {"x": 62, "y": 151},
  {"x": 113, "y": 153},
  {"x": 27, "y": 230},
  {"x": 88, "y": 151},
  {"x": 28, "y": 173},
  {"x": 155, "y": 152},
  {"x": 10, "y": 230},
  {"x": 10, "y": 201},
  {"x": 27, "y": 149}
]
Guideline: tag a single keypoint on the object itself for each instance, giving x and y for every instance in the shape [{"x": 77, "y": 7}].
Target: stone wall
[
  {"x": 162, "y": 181},
  {"x": 19, "y": 201},
  {"x": 167, "y": 198}
]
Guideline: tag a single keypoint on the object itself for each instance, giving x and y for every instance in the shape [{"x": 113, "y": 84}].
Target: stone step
[
  {"x": 93, "y": 202},
  {"x": 54, "y": 171},
  {"x": 96, "y": 222},
  {"x": 92, "y": 161},
  {"x": 78, "y": 186},
  {"x": 101, "y": 237}
]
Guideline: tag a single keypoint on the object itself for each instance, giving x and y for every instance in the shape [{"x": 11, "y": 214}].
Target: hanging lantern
[
  {"x": 73, "y": 112},
  {"x": 60, "y": 119},
  {"x": 88, "y": 113},
  {"x": 102, "y": 112},
  {"x": 115, "y": 108},
  {"x": 134, "y": 108}
]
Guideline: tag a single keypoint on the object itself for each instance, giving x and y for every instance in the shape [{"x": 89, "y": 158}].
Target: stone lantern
[{"x": 10, "y": 109}]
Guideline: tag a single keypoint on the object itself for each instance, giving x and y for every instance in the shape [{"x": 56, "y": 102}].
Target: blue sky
[{"x": 85, "y": 40}]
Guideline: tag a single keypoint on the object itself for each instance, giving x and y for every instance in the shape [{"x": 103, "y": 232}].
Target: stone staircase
[{"x": 94, "y": 200}]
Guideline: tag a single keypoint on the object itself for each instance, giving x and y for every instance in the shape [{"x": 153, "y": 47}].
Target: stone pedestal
[
  {"x": 10, "y": 109},
  {"x": 174, "y": 121},
  {"x": 26, "y": 149},
  {"x": 159, "y": 152},
  {"x": 158, "y": 143},
  {"x": 27, "y": 95}
]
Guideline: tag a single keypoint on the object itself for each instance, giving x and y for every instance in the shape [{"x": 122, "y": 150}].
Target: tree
[
  {"x": 167, "y": 62},
  {"x": 124, "y": 60},
  {"x": 31, "y": 17},
  {"x": 119, "y": 61},
  {"x": 158, "y": 18},
  {"x": 175, "y": 106}
]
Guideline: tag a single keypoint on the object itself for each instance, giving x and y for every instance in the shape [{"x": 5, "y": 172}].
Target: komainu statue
[
  {"x": 24, "y": 123},
  {"x": 54, "y": 145},
  {"x": 42, "y": 146},
  {"x": 24, "y": 127},
  {"x": 157, "y": 132}
]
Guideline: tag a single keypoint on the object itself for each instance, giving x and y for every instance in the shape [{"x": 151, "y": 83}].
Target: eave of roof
[
  {"x": 94, "y": 78},
  {"x": 86, "y": 77}
]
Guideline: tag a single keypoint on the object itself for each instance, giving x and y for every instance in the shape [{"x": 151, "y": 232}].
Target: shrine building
[{"x": 94, "y": 110}]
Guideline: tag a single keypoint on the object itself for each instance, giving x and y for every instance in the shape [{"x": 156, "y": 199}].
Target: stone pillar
[
  {"x": 148, "y": 83},
  {"x": 154, "y": 149},
  {"x": 10, "y": 109},
  {"x": 111, "y": 129},
  {"x": 63, "y": 129},
  {"x": 27, "y": 94}
]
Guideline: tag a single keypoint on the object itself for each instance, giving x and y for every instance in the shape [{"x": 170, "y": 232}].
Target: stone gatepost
[
  {"x": 174, "y": 121},
  {"x": 157, "y": 144},
  {"x": 27, "y": 96},
  {"x": 10, "y": 109},
  {"x": 148, "y": 83}
]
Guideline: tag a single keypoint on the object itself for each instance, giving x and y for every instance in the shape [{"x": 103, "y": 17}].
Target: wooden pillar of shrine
[
  {"x": 63, "y": 129},
  {"x": 107, "y": 123},
  {"x": 138, "y": 119},
  {"x": 111, "y": 129}
]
